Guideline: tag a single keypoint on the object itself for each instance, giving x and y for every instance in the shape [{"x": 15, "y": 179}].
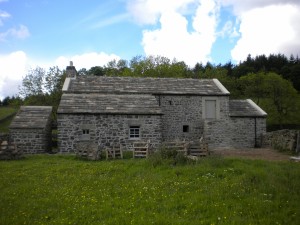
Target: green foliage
[
  {"x": 56, "y": 189},
  {"x": 254, "y": 86},
  {"x": 33, "y": 82},
  {"x": 275, "y": 94},
  {"x": 165, "y": 156},
  {"x": 96, "y": 71},
  {"x": 41, "y": 87}
]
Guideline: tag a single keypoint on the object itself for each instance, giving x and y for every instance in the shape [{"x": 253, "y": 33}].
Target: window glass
[{"x": 134, "y": 132}]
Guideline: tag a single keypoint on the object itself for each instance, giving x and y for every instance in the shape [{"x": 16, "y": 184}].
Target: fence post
[{"x": 298, "y": 143}]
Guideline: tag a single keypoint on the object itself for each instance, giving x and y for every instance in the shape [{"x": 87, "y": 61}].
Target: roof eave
[{"x": 112, "y": 113}]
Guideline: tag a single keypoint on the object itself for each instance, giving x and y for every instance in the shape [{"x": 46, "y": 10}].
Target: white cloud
[
  {"x": 20, "y": 33},
  {"x": 267, "y": 30},
  {"x": 3, "y": 15},
  {"x": 149, "y": 11},
  {"x": 173, "y": 39},
  {"x": 12, "y": 68},
  {"x": 86, "y": 60},
  {"x": 246, "y": 5}
]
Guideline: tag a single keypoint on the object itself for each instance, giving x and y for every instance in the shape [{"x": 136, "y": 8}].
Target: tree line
[{"x": 273, "y": 81}]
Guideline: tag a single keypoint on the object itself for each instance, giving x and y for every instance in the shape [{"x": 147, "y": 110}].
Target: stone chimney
[{"x": 71, "y": 71}]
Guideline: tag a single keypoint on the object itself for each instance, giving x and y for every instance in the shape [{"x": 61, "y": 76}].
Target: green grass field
[
  {"x": 4, "y": 113},
  {"x": 57, "y": 189}
]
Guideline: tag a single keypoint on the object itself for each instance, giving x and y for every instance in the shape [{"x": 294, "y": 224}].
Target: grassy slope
[
  {"x": 5, "y": 112},
  {"x": 63, "y": 190}
]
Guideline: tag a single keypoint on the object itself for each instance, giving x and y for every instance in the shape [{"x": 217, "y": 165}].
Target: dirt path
[{"x": 254, "y": 153}]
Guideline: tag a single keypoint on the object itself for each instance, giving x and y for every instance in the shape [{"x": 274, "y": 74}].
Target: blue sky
[{"x": 47, "y": 33}]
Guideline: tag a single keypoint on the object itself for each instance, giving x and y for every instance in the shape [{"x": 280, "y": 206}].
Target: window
[
  {"x": 210, "y": 109},
  {"x": 134, "y": 132},
  {"x": 85, "y": 131},
  {"x": 85, "y": 134},
  {"x": 185, "y": 128}
]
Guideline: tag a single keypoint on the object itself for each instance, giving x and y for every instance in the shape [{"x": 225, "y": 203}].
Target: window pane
[
  {"x": 210, "y": 109},
  {"x": 134, "y": 132}
]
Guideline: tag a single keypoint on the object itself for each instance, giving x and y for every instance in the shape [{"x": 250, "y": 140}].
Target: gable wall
[
  {"x": 186, "y": 110},
  {"x": 106, "y": 130}
]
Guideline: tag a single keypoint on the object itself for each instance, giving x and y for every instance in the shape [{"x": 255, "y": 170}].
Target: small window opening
[
  {"x": 185, "y": 128},
  {"x": 170, "y": 103},
  {"x": 85, "y": 131},
  {"x": 134, "y": 132}
]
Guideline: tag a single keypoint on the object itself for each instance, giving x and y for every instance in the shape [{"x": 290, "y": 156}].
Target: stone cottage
[
  {"x": 30, "y": 130},
  {"x": 108, "y": 110}
]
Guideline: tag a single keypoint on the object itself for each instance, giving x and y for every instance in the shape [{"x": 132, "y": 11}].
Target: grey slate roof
[
  {"x": 245, "y": 108},
  {"x": 30, "y": 117},
  {"x": 108, "y": 104},
  {"x": 130, "y": 85}
]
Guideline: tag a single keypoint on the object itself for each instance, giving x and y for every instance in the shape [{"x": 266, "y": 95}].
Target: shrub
[{"x": 166, "y": 156}]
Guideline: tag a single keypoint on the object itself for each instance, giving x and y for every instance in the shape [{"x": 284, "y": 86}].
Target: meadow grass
[
  {"x": 6, "y": 111},
  {"x": 60, "y": 189},
  {"x": 5, "y": 120}
]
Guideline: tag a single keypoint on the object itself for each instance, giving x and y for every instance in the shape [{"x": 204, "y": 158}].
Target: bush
[{"x": 166, "y": 156}]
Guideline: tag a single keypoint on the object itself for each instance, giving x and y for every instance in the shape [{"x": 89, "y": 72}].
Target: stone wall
[
  {"x": 284, "y": 140},
  {"x": 236, "y": 132},
  {"x": 9, "y": 151},
  {"x": 4, "y": 137},
  {"x": 31, "y": 141},
  {"x": 106, "y": 130},
  {"x": 87, "y": 150},
  {"x": 180, "y": 111}
]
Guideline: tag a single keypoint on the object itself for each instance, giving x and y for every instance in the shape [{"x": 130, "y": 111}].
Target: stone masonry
[
  {"x": 237, "y": 132},
  {"x": 102, "y": 110},
  {"x": 179, "y": 111},
  {"x": 106, "y": 130},
  {"x": 31, "y": 129},
  {"x": 284, "y": 140}
]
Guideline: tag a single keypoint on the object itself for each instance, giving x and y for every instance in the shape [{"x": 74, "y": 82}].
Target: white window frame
[
  {"x": 134, "y": 132},
  {"x": 217, "y": 113}
]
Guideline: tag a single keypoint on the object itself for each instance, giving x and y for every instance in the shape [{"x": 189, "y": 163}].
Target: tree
[
  {"x": 117, "y": 68},
  {"x": 41, "y": 87},
  {"x": 283, "y": 96},
  {"x": 273, "y": 93},
  {"x": 82, "y": 72},
  {"x": 5, "y": 101},
  {"x": 254, "y": 86},
  {"x": 33, "y": 82},
  {"x": 96, "y": 71}
]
